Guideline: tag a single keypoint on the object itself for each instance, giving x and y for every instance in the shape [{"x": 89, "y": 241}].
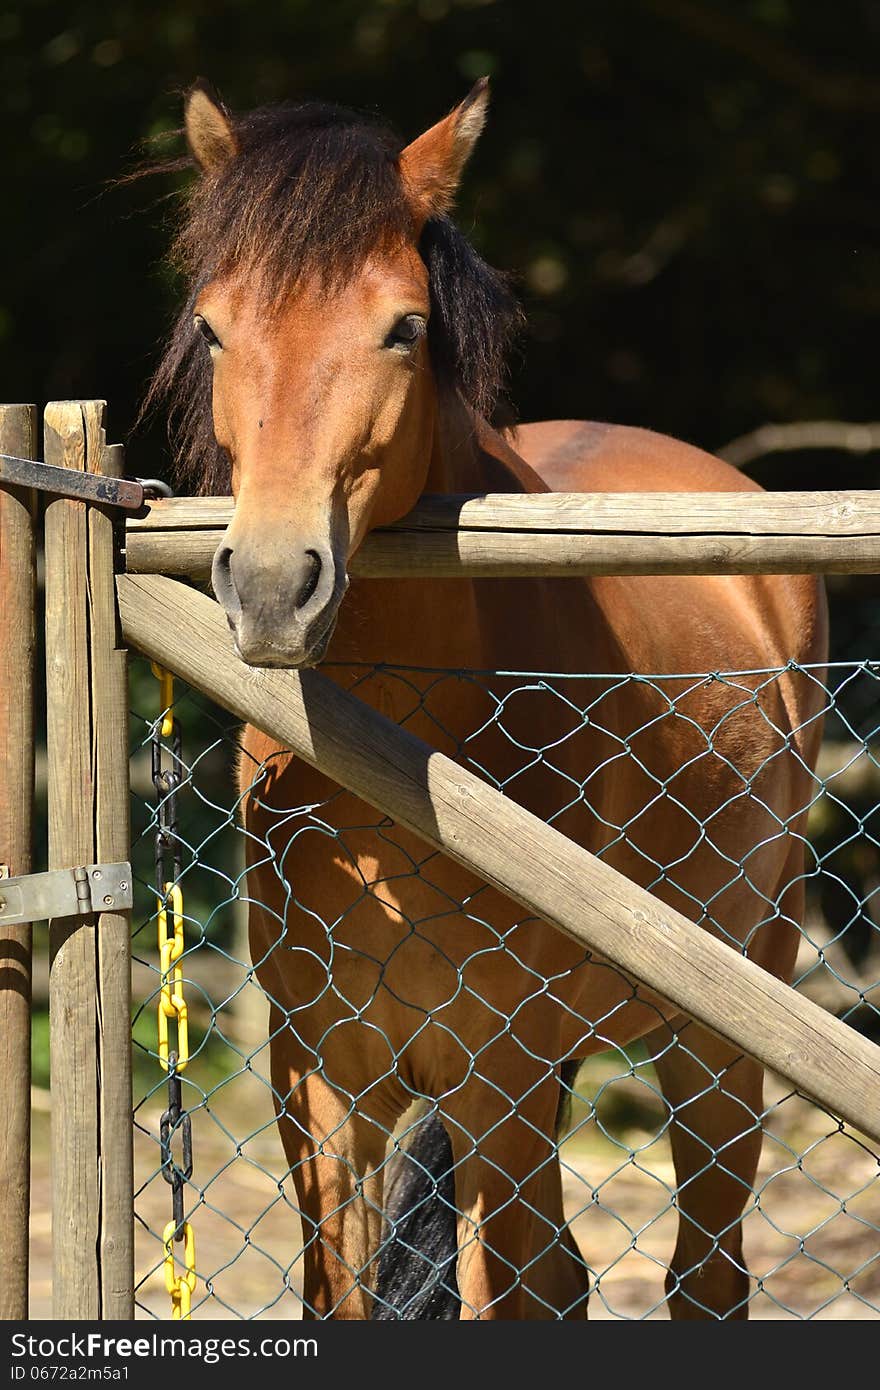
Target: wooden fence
[
  {"x": 564, "y": 534},
  {"x": 87, "y": 628}
]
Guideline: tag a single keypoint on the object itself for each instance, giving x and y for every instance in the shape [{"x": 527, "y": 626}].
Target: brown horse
[{"x": 355, "y": 343}]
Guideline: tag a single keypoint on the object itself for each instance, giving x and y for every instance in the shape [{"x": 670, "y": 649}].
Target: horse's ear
[
  {"x": 208, "y": 128},
  {"x": 431, "y": 166}
]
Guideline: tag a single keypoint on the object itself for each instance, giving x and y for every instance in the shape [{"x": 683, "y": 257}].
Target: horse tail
[
  {"x": 417, "y": 1278},
  {"x": 567, "y": 1077}
]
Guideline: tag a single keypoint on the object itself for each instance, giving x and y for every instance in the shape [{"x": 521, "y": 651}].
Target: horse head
[{"x": 312, "y": 302}]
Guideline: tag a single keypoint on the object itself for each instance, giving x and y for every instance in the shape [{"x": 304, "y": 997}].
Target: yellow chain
[
  {"x": 171, "y": 1001},
  {"x": 172, "y": 1004},
  {"x": 166, "y": 696},
  {"x": 180, "y": 1286}
]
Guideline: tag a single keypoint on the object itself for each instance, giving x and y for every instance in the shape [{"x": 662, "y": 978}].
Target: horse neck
[
  {"x": 468, "y": 455},
  {"x": 435, "y": 622}
]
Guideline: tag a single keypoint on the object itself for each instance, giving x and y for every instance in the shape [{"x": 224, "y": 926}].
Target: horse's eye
[
  {"x": 206, "y": 331},
  {"x": 406, "y": 332}
]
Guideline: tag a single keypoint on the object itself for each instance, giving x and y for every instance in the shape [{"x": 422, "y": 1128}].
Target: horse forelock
[{"x": 315, "y": 190}]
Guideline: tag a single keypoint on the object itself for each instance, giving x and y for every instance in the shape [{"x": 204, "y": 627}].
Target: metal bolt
[
  {"x": 96, "y": 873},
  {"x": 123, "y": 886},
  {"x": 108, "y": 899},
  {"x": 2, "y": 904}
]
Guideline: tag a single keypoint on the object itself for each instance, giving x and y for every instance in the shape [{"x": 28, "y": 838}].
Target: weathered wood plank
[
  {"x": 72, "y": 946},
  {"x": 533, "y": 863},
  {"x": 109, "y": 696},
  {"x": 559, "y": 534},
  {"x": 18, "y": 436},
  {"x": 648, "y": 513},
  {"x": 655, "y": 513},
  {"x": 182, "y": 514},
  {"x": 510, "y": 554},
  {"x": 90, "y": 975}
]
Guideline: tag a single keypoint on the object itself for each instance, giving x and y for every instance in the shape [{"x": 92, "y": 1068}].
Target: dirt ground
[{"x": 812, "y": 1229}]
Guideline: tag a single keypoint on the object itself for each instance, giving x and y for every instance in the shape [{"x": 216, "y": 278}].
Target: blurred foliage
[
  {"x": 686, "y": 188},
  {"x": 216, "y": 1061}
]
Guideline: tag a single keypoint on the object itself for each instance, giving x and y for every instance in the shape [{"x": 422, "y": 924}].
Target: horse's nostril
[
  {"x": 224, "y": 582},
  {"x": 311, "y": 576}
]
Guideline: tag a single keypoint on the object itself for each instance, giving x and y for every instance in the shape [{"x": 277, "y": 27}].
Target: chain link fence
[{"x": 812, "y": 1212}]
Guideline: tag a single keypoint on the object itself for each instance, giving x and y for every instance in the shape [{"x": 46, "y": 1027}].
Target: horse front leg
[
  {"x": 335, "y": 1157},
  {"x": 517, "y": 1259}
]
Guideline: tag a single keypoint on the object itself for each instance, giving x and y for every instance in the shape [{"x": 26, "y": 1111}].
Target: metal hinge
[
  {"x": 64, "y": 893},
  {"x": 67, "y": 482}
]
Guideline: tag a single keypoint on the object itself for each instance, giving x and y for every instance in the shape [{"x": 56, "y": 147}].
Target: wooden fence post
[
  {"x": 90, "y": 971},
  {"x": 17, "y": 571}
]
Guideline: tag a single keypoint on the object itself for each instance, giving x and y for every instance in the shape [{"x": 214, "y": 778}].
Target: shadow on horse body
[{"x": 355, "y": 343}]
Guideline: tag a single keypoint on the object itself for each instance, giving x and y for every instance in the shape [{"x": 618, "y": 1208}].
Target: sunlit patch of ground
[{"x": 811, "y": 1232}]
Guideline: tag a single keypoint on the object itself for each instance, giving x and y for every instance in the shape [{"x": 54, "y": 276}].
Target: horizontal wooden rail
[
  {"x": 564, "y": 534},
  {"x": 506, "y": 845}
]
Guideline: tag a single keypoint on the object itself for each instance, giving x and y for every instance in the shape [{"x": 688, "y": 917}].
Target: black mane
[{"x": 315, "y": 187}]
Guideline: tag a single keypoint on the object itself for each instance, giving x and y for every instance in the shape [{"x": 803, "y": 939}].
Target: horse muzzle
[{"x": 280, "y": 616}]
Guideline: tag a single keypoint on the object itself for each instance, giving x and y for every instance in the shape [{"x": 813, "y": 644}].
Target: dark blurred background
[{"x": 688, "y": 191}]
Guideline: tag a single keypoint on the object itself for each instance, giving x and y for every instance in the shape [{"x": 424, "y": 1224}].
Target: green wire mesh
[{"x": 812, "y": 1217}]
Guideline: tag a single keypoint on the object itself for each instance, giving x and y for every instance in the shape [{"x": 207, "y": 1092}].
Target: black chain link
[
  {"x": 173, "y": 1117},
  {"x": 166, "y": 781}
]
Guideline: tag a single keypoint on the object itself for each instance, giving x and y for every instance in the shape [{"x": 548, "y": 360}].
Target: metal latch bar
[
  {"x": 65, "y": 893},
  {"x": 67, "y": 482}
]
